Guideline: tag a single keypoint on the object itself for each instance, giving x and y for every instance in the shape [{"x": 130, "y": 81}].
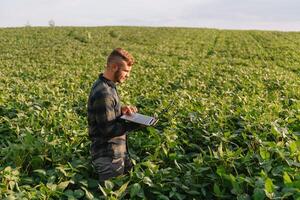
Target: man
[{"x": 107, "y": 131}]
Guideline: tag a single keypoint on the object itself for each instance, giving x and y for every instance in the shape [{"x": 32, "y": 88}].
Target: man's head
[{"x": 119, "y": 64}]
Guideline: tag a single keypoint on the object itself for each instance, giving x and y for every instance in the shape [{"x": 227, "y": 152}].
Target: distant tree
[
  {"x": 51, "y": 23},
  {"x": 27, "y": 24}
]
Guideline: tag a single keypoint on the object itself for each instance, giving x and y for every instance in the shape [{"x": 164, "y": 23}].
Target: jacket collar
[{"x": 109, "y": 82}]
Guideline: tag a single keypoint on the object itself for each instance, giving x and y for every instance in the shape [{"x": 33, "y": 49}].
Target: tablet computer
[
  {"x": 140, "y": 119},
  {"x": 144, "y": 119}
]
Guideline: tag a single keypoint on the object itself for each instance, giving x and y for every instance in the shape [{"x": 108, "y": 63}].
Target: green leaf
[
  {"x": 103, "y": 190},
  {"x": 164, "y": 150},
  {"x": 275, "y": 131},
  {"x": 62, "y": 170},
  {"x": 264, "y": 153},
  {"x": 78, "y": 193},
  {"x": 72, "y": 198},
  {"x": 162, "y": 197},
  {"x": 293, "y": 147},
  {"x": 217, "y": 190},
  {"x": 243, "y": 197},
  {"x": 88, "y": 194},
  {"x": 147, "y": 181},
  {"x": 40, "y": 172},
  {"x": 139, "y": 175},
  {"x": 221, "y": 171},
  {"x": 220, "y": 150},
  {"x": 135, "y": 188},
  {"x": 109, "y": 185},
  {"x": 122, "y": 189},
  {"x": 62, "y": 186},
  {"x": 193, "y": 192},
  {"x": 288, "y": 191},
  {"x": 68, "y": 192},
  {"x": 259, "y": 194},
  {"x": 177, "y": 165},
  {"x": 286, "y": 178},
  {"x": 51, "y": 186},
  {"x": 92, "y": 183},
  {"x": 269, "y": 187},
  {"x": 36, "y": 162},
  {"x": 11, "y": 185},
  {"x": 236, "y": 186}
]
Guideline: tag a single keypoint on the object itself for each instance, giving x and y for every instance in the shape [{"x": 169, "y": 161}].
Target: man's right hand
[{"x": 128, "y": 110}]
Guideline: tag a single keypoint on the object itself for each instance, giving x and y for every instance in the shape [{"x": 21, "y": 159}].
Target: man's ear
[{"x": 114, "y": 67}]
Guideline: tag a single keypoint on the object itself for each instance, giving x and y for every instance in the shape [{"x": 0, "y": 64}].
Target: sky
[{"x": 283, "y": 15}]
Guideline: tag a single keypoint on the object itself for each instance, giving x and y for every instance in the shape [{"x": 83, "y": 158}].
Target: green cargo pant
[
  {"x": 118, "y": 164},
  {"x": 108, "y": 167}
]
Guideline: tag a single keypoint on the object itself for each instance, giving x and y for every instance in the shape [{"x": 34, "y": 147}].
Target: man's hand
[{"x": 128, "y": 110}]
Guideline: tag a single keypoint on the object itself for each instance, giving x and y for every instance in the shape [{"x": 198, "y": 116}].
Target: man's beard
[{"x": 117, "y": 76}]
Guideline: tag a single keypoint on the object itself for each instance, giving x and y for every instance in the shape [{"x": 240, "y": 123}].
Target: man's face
[{"x": 122, "y": 72}]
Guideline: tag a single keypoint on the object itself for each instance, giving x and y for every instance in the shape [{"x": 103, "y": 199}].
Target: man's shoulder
[{"x": 100, "y": 90}]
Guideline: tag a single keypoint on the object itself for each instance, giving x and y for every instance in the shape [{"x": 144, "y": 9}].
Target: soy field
[{"x": 233, "y": 131}]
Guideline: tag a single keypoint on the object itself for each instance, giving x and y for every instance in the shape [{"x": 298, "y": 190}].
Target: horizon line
[{"x": 148, "y": 26}]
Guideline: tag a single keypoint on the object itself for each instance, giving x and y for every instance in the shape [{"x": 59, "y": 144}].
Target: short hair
[{"x": 120, "y": 53}]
